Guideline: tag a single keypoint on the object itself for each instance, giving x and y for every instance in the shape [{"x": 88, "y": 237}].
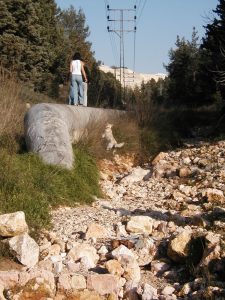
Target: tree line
[
  {"x": 37, "y": 41},
  {"x": 196, "y": 69}
]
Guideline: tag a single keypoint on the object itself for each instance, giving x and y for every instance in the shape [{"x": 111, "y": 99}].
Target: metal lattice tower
[{"x": 121, "y": 21}]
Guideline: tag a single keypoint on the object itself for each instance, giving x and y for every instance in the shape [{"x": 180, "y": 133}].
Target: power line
[
  {"x": 111, "y": 37},
  {"x": 134, "y": 58},
  {"x": 106, "y": 3},
  {"x": 137, "y": 4},
  {"x": 113, "y": 46},
  {"x": 142, "y": 9},
  {"x": 120, "y": 22}
]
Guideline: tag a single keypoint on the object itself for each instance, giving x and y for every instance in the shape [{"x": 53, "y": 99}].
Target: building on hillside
[{"x": 132, "y": 79}]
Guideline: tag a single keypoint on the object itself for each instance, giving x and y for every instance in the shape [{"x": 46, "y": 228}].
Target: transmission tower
[{"x": 121, "y": 21}]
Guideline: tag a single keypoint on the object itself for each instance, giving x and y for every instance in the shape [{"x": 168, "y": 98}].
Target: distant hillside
[{"x": 132, "y": 78}]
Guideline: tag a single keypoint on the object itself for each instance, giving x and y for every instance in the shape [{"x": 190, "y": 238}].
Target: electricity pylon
[{"x": 121, "y": 22}]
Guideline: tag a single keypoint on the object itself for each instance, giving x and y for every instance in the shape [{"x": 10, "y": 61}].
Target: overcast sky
[{"x": 158, "y": 24}]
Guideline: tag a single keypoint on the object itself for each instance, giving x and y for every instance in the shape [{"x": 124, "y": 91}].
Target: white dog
[{"x": 108, "y": 135}]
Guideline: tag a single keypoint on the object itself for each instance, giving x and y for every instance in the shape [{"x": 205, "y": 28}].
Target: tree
[
  {"x": 75, "y": 32},
  {"x": 18, "y": 25},
  {"x": 52, "y": 41},
  {"x": 214, "y": 47},
  {"x": 28, "y": 38},
  {"x": 104, "y": 89},
  {"x": 37, "y": 42},
  {"x": 187, "y": 76},
  {"x": 182, "y": 70}
]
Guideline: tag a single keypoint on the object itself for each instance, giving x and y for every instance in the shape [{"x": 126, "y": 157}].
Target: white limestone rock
[
  {"x": 64, "y": 282},
  {"x": 159, "y": 267},
  {"x": 13, "y": 224},
  {"x": 114, "y": 267},
  {"x": 178, "y": 250},
  {"x": 136, "y": 175},
  {"x": 84, "y": 252},
  {"x": 104, "y": 284},
  {"x": 122, "y": 251},
  {"x": 168, "y": 290},
  {"x": 140, "y": 225},
  {"x": 96, "y": 231},
  {"x": 9, "y": 279},
  {"x": 148, "y": 292},
  {"x": 78, "y": 282},
  {"x": 25, "y": 249}
]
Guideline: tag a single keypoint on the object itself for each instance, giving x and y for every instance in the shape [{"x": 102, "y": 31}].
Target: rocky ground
[{"x": 158, "y": 233}]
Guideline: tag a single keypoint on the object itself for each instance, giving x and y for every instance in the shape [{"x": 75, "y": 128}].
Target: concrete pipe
[{"x": 50, "y": 129}]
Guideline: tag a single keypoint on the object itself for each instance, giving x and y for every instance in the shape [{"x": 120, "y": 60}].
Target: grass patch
[{"x": 28, "y": 184}]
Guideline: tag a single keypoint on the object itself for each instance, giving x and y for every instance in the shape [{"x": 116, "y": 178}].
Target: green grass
[{"x": 27, "y": 184}]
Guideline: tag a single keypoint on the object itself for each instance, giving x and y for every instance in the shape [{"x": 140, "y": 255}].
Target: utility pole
[{"x": 120, "y": 21}]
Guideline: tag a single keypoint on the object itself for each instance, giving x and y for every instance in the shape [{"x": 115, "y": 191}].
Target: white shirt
[{"x": 76, "y": 67}]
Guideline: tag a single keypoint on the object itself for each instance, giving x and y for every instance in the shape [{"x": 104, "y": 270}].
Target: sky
[{"x": 158, "y": 23}]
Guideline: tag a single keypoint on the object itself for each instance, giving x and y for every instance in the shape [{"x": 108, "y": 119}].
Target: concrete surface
[{"x": 50, "y": 129}]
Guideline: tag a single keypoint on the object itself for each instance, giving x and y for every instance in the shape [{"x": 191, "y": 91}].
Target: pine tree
[
  {"x": 51, "y": 42},
  {"x": 17, "y": 27},
  {"x": 76, "y": 32},
  {"x": 214, "y": 47},
  {"x": 182, "y": 70},
  {"x": 29, "y": 39}
]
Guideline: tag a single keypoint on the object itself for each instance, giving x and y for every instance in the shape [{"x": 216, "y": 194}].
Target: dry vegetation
[
  {"x": 49, "y": 186},
  {"x": 12, "y": 110},
  {"x": 26, "y": 183},
  {"x": 124, "y": 129}
]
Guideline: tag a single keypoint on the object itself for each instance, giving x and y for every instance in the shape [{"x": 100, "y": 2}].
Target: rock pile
[{"x": 159, "y": 234}]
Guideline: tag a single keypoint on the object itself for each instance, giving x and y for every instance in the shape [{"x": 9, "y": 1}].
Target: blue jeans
[
  {"x": 85, "y": 87},
  {"x": 76, "y": 90}
]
